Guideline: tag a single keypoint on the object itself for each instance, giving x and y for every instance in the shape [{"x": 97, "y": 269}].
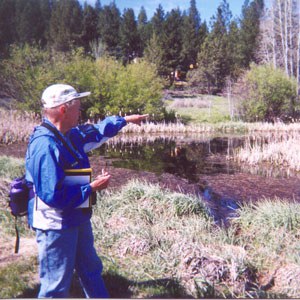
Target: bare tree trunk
[
  {"x": 298, "y": 49},
  {"x": 290, "y": 30},
  {"x": 286, "y": 46},
  {"x": 281, "y": 28},
  {"x": 273, "y": 38}
]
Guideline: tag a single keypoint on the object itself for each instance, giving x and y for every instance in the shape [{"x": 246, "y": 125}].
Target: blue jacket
[{"x": 46, "y": 160}]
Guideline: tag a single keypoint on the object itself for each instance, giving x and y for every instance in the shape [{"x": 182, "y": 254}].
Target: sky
[{"x": 206, "y": 8}]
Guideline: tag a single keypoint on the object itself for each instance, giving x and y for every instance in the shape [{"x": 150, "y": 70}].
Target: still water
[
  {"x": 186, "y": 157},
  {"x": 182, "y": 155}
]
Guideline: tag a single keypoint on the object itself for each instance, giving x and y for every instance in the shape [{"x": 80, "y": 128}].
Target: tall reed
[
  {"x": 16, "y": 126},
  {"x": 281, "y": 149}
]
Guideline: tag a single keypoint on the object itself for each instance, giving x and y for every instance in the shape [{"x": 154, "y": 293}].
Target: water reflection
[{"x": 184, "y": 156}]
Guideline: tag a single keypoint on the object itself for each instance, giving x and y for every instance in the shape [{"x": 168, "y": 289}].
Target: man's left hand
[{"x": 136, "y": 119}]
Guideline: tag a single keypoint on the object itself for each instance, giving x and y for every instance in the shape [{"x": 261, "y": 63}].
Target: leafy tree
[
  {"x": 203, "y": 33},
  {"x": 66, "y": 24},
  {"x": 115, "y": 87},
  {"x": 130, "y": 40},
  {"x": 266, "y": 94},
  {"x": 137, "y": 89},
  {"x": 27, "y": 73}
]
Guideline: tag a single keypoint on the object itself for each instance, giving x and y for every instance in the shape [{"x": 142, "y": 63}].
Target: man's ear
[{"x": 62, "y": 109}]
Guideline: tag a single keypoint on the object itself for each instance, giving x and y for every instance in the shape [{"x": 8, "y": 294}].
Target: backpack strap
[
  {"x": 59, "y": 137},
  {"x": 17, "y": 243}
]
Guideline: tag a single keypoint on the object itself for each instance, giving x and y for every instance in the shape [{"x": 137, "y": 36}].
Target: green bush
[
  {"x": 135, "y": 88},
  {"x": 266, "y": 94}
]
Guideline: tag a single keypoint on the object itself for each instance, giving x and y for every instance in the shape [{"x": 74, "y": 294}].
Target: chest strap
[{"x": 59, "y": 137}]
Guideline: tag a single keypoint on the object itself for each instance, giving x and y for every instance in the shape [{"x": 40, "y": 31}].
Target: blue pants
[{"x": 62, "y": 251}]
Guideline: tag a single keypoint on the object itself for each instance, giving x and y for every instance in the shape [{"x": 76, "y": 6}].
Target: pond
[
  {"x": 186, "y": 157},
  {"x": 202, "y": 161}
]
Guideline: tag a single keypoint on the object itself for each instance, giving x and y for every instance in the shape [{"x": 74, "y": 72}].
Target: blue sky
[{"x": 206, "y": 8}]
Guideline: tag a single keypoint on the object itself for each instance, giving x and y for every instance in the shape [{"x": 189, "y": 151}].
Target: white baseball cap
[{"x": 58, "y": 94}]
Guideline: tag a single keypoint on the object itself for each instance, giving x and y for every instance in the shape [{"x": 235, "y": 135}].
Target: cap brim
[{"x": 81, "y": 95}]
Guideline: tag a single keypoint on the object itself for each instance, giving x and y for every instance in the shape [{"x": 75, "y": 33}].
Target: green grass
[
  {"x": 201, "y": 109},
  {"x": 16, "y": 279},
  {"x": 270, "y": 232},
  {"x": 11, "y": 167}
]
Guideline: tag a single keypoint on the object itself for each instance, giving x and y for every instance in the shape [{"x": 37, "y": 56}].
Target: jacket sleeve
[
  {"x": 44, "y": 165},
  {"x": 94, "y": 135}
]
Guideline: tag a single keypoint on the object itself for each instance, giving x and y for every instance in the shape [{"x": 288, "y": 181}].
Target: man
[{"x": 64, "y": 233}]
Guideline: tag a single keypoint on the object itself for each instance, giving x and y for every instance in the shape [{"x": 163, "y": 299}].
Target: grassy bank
[{"x": 150, "y": 235}]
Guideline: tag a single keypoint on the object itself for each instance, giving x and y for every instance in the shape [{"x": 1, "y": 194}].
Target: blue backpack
[{"x": 19, "y": 195}]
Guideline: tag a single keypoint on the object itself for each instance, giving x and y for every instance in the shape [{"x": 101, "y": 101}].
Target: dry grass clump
[
  {"x": 277, "y": 150},
  {"x": 274, "y": 127},
  {"x": 150, "y": 233},
  {"x": 16, "y": 126},
  {"x": 171, "y": 128}
]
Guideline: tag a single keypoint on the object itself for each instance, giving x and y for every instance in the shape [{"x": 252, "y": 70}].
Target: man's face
[{"x": 72, "y": 114}]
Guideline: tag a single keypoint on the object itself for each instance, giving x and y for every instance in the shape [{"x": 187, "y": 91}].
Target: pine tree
[
  {"x": 89, "y": 26},
  {"x": 109, "y": 28},
  {"x": 30, "y": 23},
  {"x": 7, "y": 26},
  {"x": 172, "y": 42},
  {"x": 250, "y": 28},
  {"x": 129, "y": 36},
  {"x": 190, "y": 36},
  {"x": 66, "y": 24},
  {"x": 98, "y": 6},
  {"x": 158, "y": 21},
  {"x": 213, "y": 58},
  {"x": 154, "y": 54},
  {"x": 144, "y": 30},
  {"x": 235, "y": 58},
  {"x": 46, "y": 10},
  {"x": 203, "y": 33}
]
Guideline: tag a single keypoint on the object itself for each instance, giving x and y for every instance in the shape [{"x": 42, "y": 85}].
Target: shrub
[
  {"x": 135, "y": 88},
  {"x": 266, "y": 94}
]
